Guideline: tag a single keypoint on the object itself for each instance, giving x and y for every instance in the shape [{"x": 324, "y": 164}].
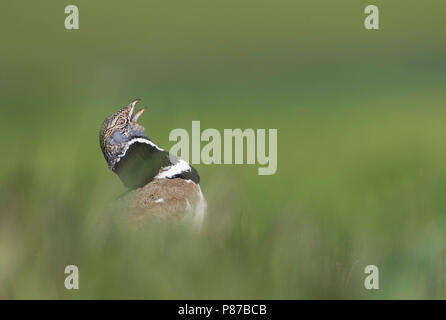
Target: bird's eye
[{"x": 121, "y": 122}]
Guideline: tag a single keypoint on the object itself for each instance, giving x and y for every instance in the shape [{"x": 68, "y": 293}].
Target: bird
[{"x": 160, "y": 185}]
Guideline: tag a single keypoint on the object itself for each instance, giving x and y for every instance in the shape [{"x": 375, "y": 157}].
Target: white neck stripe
[{"x": 142, "y": 140}]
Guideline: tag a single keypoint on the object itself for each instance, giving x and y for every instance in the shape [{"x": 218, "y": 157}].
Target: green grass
[
  {"x": 361, "y": 154},
  {"x": 355, "y": 186}
]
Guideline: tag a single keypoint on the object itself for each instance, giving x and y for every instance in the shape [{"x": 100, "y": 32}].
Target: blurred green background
[{"x": 361, "y": 147}]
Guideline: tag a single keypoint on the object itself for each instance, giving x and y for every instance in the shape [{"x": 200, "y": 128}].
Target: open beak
[
  {"x": 137, "y": 115},
  {"x": 134, "y": 117},
  {"x": 132, "y": 106}
]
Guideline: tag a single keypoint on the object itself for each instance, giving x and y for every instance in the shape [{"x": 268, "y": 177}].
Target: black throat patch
[{"x": 143, "y": 161}]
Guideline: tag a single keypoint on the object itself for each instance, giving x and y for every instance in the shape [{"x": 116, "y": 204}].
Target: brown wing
[{"x": 163, "y": 199}]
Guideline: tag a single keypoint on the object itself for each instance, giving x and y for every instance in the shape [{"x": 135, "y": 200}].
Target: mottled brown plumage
[
  {"x": 163, "y": 187},
  {"x": 169, "y": 200},
  {"x": 122, "y": 122}
]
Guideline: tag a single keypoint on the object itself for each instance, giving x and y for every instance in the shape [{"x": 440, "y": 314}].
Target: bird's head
[{"x": 117, "y": 132}]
